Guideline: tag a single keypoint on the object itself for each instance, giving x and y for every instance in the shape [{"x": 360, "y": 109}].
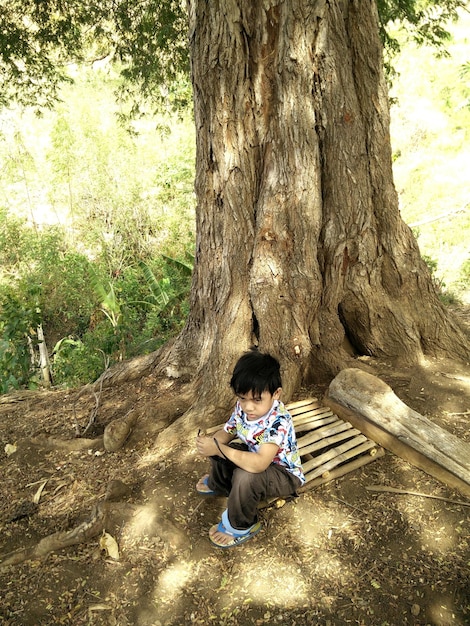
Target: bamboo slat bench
[{"x": 329, "y": 447}]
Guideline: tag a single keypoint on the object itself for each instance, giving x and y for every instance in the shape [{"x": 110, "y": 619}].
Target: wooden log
[{"x": 372, "y": 407}]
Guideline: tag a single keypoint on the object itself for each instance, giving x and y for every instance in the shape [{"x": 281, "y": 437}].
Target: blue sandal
[
  {"x": 237, "y": 538},
  {"x": 208, "y": 491}
]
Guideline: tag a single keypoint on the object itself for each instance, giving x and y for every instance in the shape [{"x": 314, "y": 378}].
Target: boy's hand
[{"x": 206, "y": 446}]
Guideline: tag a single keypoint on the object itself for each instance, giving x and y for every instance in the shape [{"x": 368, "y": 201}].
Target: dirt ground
[{"x": 339, "y": 554}]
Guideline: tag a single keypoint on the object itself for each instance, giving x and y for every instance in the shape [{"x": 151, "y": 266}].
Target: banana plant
[
  {"x": 109, "y": 301},
  {"x": 163, "y": 291}
]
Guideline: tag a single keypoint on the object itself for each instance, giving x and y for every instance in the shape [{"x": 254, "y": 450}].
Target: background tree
[{"x": 300, "y": 246}]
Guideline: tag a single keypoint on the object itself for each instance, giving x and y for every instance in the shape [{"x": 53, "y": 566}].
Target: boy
[{"x": 266, "y": 464}]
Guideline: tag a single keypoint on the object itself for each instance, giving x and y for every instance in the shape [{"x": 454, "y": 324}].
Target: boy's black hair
[{"x": 256, "y": 372}]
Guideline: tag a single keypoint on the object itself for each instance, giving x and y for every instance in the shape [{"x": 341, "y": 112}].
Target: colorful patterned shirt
[{"x": 274, "y": 427}]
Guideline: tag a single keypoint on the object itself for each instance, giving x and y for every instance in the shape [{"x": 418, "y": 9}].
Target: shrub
[{"x": 19, "y": 319}]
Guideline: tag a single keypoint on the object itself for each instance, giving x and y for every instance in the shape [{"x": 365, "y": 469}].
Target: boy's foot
[
  {"x": 203, "y": 488},
  {"x": 223, "y": 538}
]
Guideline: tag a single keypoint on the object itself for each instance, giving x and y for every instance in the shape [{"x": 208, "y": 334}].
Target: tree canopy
[{"x": 38, "y": 40}]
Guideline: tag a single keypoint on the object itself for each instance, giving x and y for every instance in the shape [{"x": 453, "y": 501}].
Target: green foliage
[
  {"x": 36, "y": 38},
  {"x": 137, "y": 312},
  {"x": 19, "y": 318},
  {"x": 126, "y": 194},
  {"x": 123, "y": 199},
  {"x": 147, "y": 41},
  {"x": 39, "y": 39},
  {"x": 75, "y": 363},
  {"x": 424, "y": 20},
  {"x": 446, "y": 296},
  {"x": 39, "y": 263},
  {"x": 463, "y": 280},
  {"x": 430, "y": 137},
  {"x": 93, "y": 318}
]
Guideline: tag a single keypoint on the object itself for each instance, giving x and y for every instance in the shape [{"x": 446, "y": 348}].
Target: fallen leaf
[
  {"x": 37, "y": 495},
  {"x": 10, "y": 449},
  {"x": 109, "y": 544}
]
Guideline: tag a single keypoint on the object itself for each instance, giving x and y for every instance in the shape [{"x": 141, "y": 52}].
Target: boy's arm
[
  {"x": 254, "y": 462},
  {"x": 223, "y": 436}
]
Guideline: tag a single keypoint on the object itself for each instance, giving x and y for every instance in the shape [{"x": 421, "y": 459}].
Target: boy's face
[{"x": 255, "y": 406}]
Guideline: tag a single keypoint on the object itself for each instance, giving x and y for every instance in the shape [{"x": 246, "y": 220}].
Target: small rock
[{"x": 415, "y": 610}]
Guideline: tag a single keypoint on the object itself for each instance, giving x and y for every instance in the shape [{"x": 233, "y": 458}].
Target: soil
[{"x": 338, "y": 554}]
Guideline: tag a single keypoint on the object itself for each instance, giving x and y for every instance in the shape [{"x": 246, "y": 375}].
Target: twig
[
  {"x": 194, "y": 511},
  {"x": 438, "y": 217},
  {"x": 384, "y": 488},
  {"x": 355, "y": 508},
  {"x": 94, "y": 412}
]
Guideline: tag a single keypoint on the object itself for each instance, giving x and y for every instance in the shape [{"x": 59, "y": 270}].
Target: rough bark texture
[{"x": 300, "y": 245}]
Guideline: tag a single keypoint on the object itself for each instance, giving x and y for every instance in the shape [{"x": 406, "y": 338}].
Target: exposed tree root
[{"x": 85, "y": 531}]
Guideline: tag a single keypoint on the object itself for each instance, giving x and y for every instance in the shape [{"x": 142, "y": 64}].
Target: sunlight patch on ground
[
  {"x": 439, "y": 539},
  {"x": 318, "y": 523},
  {"x": 431, "y": 533},
  {"x": 171, "y": 582},
  {"x": 143, "y": 523},
  {"x": 157, "y": 452},
  {"x": 149, "y": 458},
  {"x": 282, "y": 584},
  {"x": 329, "y": 567},
  {"x": 442, "y": 611}
]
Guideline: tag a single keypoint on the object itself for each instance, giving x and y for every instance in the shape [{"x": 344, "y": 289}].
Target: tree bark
[{"x": 300, "y": 245}]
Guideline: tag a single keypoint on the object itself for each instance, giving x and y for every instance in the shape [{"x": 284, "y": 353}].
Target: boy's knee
[{"x": 248, "y": 480}]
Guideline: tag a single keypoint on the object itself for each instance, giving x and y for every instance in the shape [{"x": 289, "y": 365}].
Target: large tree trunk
[{"x": 300, "y": 245}]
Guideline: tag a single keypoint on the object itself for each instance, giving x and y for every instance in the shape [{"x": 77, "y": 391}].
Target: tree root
[{"x": 85, "y": 531}]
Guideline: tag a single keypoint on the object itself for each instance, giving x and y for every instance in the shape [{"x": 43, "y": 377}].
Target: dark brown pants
[{"x": 245, "y": 490}]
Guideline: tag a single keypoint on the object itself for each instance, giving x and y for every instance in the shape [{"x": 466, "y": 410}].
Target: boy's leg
[
  {"x": 249, "y": 489},
  {"x": 220, "y": 477}
]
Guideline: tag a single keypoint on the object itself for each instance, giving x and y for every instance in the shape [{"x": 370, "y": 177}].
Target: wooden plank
[
  {"x": 373, "y": 408},
  {"x": 342, "y": 470},
  {"x": 295, "y": 407},
  {"x": 311, "y": 415},
  {"x": 327, "y": 441},
  {"x": 324, "y": 469},
  {"x": 309, "y": 426},
  {"x": 331, "y": 429},
  {"x": 335, "y": 452}
]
